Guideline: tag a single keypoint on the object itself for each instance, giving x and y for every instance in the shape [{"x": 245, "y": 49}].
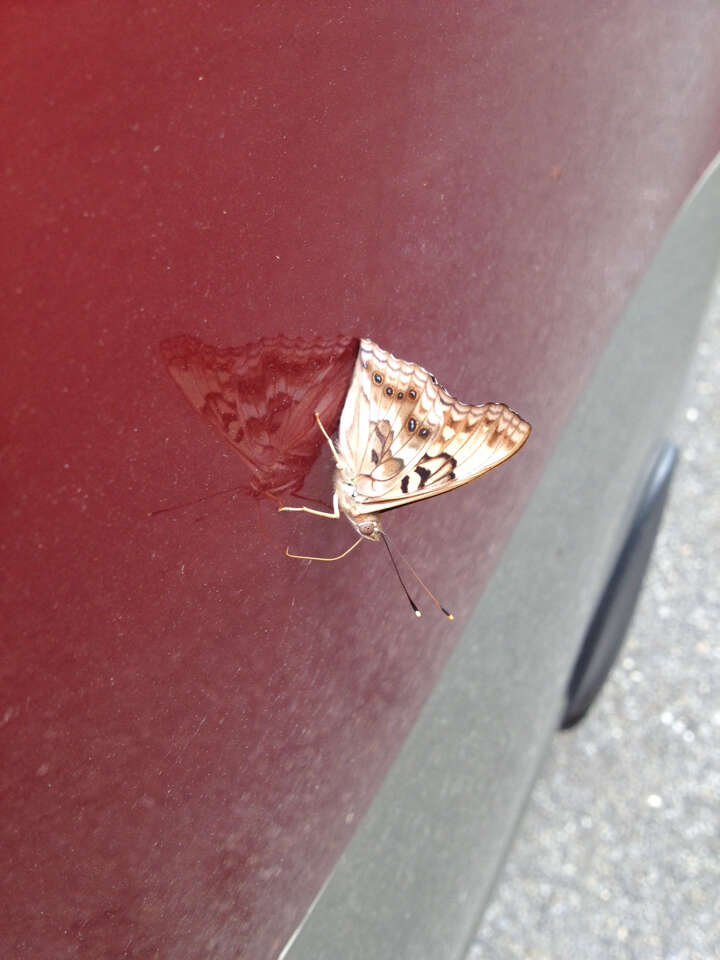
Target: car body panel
[
  {"x": 194, "y": 723},
  {"x": 409, "y": 884}
]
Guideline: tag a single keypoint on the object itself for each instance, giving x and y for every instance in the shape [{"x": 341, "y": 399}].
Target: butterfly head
[{"x": 368, "y": 527}]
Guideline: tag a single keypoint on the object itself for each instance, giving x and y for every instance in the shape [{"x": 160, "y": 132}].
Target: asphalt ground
[{"x": 618, "y": 854}]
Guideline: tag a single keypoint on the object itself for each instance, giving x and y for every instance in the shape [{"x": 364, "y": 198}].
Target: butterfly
[{"x": 403, "y": 438}]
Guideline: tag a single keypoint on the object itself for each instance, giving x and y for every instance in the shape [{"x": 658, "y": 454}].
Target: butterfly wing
[{"x": 403, "y": 438}]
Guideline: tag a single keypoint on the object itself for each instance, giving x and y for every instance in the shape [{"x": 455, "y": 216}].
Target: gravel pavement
[{"x": 618, "y": 855}]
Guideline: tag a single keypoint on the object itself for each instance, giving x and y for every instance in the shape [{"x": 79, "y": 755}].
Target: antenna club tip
[{"x": 417, "y": 612}]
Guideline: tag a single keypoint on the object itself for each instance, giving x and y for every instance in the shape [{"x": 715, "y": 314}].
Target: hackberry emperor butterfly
[{"x": 403, "y": 438}]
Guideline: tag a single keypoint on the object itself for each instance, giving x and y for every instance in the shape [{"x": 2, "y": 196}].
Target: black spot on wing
[
  {"x": 404, "y": 483},
  {"x": 424, "y": 475},
  {"x": 451, "y": 461},
  {"x": 441, "y": 466}
]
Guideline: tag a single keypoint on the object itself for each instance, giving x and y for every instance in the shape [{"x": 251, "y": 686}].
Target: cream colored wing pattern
[{"x": 404, "y": 438}]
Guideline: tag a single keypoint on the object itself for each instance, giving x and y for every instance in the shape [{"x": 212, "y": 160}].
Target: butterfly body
[{"x": 367, "y": 525}]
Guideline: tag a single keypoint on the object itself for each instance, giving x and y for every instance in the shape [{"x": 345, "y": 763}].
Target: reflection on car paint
[{"x": 261, "y": 397}]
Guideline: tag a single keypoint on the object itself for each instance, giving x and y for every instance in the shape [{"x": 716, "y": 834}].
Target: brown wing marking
[
  {"x": 382, "y": 465},
  {"x": 429, "y": 471},
  {"x": 496, "y": 435}
]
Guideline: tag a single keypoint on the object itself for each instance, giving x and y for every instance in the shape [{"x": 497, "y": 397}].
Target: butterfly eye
[
  {"x": 389, "y": 391},
  {"x": 412, "y": 394},
  {"x": 377, "y": 378}
]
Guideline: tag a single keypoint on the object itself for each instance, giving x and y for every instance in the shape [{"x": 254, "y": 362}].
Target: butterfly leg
[
  {"x": 296, "y": 556},
  {"x": 335, "y": 515},
  {"x": 336, "y": 455}
]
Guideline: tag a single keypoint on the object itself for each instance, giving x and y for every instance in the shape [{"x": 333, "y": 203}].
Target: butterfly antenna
[
  {"x": 191, "y": 503},
  {"x": 425, "y": 588},
  {"x": 402, "y": 582}
]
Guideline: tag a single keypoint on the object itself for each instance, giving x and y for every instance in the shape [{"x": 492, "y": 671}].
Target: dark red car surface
[{"x": 193, "y": 724}]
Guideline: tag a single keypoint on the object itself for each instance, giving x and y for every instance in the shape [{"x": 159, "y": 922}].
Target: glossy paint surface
[
  {"x": 192, "y": 723},
  {"x": 425, "y": 857}
]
